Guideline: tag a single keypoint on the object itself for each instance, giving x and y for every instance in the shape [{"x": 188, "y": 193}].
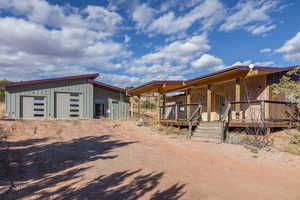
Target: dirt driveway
[{"x": 118, "y": 160}]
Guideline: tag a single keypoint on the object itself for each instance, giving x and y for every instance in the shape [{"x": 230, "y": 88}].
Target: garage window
[
  {"x": 38, "y": 104},
  {"x": 74, "y": 105},
  {"x": 74, "y": 94},
  {"x": 74, "y": 100},
  {"x": 74, "y": 115},
  {"x": 38, "y": 98},
  {"x": 39, "y": 109}
]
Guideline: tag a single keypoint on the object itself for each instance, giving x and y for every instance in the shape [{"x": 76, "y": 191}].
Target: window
[
  {"x": 74, "y": 94},
  {"x": 39, "y": 109},
  {"x": 74, "y": 110},
  {"x": 38, "y": 104},
  {"x": 38, "y": 115},
  {"x": 74, "y": 105},
  {"x": 38, "y": 98},
  {"x": 115, "y": 102},
  {"x": 74, "y": 115},
  {"x": 74, "y": 100}
]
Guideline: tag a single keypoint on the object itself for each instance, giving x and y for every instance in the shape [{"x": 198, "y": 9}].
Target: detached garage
[{"x": 73, "y": 97}]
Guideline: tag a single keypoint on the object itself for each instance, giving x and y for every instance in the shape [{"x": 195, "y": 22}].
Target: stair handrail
[
  {"x": 190, "y": 120},
  {"x": 227, "y": 113},
  {"x": 226, "y": 121}
]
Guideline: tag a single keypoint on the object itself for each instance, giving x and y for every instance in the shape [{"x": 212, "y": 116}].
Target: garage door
[
  {"x": 33, "y": 107},
  {"x": 68, "y": 105}
]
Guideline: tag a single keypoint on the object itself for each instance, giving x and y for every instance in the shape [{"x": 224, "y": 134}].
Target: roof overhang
[
  {"x": 233, "y": 73},
  {"x": 107, "y": 86},
  {"x": 32, "y": 82},
  {"x": 157, "y": 86}
]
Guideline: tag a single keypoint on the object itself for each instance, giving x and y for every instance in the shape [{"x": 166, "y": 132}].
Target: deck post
[
  {"x": 238, "y": 97},
  {"x": 139, "y": 106},
  {"x": 267, "y": 97},
  {"x": 176, "y": 112},
  {"x": 188, "y": 101},
  {"x": 163, "y": 108},
  {"x": 209, "y": 102},
  {"x": 158, "y": 105}
]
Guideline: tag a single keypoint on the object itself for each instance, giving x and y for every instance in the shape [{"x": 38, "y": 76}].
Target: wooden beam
[
  {"x": 238, "y": 97},
  {"x": 158, "y": 105},
  {"x": 188, "y": 101},
  {"x": 209, "y": 104},
  {"x": 139, "y": 106},
  {"x": 267, "y": 97}
]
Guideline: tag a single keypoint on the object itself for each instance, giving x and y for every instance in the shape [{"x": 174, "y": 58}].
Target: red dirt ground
[{"x": 118, "y": 160}]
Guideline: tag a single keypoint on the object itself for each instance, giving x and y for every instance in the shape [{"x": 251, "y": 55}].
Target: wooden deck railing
[
  {"x": 264, "y": 110},
  {"x": 177, "y": 112}
]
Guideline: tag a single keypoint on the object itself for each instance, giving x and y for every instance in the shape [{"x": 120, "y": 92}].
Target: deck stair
[{"x": 209, "y": 131}]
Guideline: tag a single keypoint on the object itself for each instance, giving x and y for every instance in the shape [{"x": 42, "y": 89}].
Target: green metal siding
[
  {"x": 121, "y": 110},
  {"x": 48, "y": 90}
]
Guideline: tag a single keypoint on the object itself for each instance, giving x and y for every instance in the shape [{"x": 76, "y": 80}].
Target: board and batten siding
[
  {"x": 14, "y": 94},
  {"x": 108, "y": 96}
]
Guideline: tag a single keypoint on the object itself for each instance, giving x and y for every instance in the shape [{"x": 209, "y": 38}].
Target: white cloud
[
  {"x": 248, "y": 62},
  {"x": 180, "y": 51},
  {"x": 260, "y": 29},
  {"x": 291, "y": 48},
  {"x": 207, "y": 62},
  {"x": 120, "y": 80},
  {"x": 208, "y": 12},
  {"x": 252, "y": 16},
  {"x": 143, "y": 15},
  {"x": 266, "y": 50},
  {"x": 78, "y": 42},
  {"x": 166, "y": 62},
  {"x": 40, "y": 11}
]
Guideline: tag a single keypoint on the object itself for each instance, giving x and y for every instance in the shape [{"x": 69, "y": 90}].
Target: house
[
  {"x": 239, "y": 94},
  {"x": 72, "y": 97}
]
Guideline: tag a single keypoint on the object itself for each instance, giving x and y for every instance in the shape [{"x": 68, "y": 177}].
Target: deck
[{"x": 235, "y": 123}]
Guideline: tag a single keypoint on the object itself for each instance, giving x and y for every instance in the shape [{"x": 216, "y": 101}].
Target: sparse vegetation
[
  {"x": 2, "y": 94},
  {"x": 294, "y": 144},
  {"x": 148, "y": 105},
  {"x": 288, "y": 86}
]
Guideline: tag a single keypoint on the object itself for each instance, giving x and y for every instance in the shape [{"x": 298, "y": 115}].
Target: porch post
[
  {"x": 164, "y": 108},
  {"x": 139, "y": 106},
  {"x": 238, "y": 97},
  {"x": 158, "y": 106},
  {"x": 188, "y": 101},
  {"x": 208, "y": 103},
  {"x": 267, "y": 97}
]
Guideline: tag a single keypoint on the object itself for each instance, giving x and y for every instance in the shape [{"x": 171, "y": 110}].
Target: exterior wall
[
  {"x": 13, "y": 96},
  {"x": 108, "y": 97},
  {"x": 254, "y": 88}
]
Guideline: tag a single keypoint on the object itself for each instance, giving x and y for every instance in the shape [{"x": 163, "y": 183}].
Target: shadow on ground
[{"x": 52, "y": 171}]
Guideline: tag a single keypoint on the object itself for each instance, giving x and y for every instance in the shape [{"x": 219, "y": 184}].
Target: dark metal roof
[
  {"x": 242, "y": 68},
  {"x": 104, "y": 85},
  {"x": 157, "y": 82},
  {"x": 85, "y": 76}
]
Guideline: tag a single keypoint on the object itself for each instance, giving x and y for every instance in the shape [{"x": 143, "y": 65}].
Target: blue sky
[{"x": 132, "y": 42}]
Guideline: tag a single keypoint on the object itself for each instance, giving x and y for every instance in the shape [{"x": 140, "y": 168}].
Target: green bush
[
  {"x": 148, "y": 105},
  {"x": 295, "y": 139}
]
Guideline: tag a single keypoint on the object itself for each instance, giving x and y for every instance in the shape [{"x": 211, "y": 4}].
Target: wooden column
[
  {"x": 131, "y": 100},
  {"x": 164, "y": 108},
  {"x": 158, "y": 106},
  {"x": 238, "y": 97},
  {"x": 267, "y": 97},
  {"x": 188, "y": 101},
  {"x": 139, "y": 107},
  {"x": 209, "y": 102}
]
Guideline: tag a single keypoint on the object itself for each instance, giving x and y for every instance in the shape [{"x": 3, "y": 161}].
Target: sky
[{"x": 130, "y": 42}]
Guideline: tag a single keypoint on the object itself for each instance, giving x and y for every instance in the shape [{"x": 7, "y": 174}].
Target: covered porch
[{"x": 239, "y": 95}]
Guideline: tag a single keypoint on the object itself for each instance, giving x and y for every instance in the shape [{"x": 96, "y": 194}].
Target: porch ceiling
[{"x": 157, "y": 86}]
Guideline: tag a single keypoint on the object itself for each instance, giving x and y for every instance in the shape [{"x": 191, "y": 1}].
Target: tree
[
  {"x": 288, "y": 86},
  {"x": 2, "y": 93}
]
